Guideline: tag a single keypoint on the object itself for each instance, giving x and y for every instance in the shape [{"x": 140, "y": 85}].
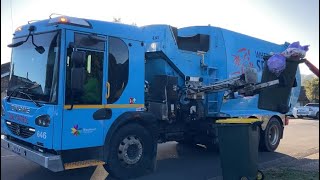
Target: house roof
[{"x": 5, "y": 69}]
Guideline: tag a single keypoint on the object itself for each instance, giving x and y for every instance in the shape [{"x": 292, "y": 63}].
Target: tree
[
  {"x": 312, "y": 89},
  {"x": 303, "y": 97}
]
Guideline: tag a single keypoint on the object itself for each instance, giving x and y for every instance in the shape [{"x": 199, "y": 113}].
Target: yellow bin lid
[{"x": 238, "y": 121}]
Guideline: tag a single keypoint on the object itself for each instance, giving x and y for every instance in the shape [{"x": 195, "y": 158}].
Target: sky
[{"x": 277, "y": 21}]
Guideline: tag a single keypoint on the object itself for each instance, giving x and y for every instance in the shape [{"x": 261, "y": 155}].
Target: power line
[{"x": 11, "y": 15}]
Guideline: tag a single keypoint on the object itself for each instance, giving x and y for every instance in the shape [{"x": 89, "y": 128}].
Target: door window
[
  {"x": 118, "y": 68},
  {"x": 92, "y": 93}
]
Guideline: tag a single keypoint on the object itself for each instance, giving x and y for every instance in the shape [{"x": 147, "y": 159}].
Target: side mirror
[
  {"x": 40, "y": 49},
  {"x": 77, "y": 71},
  {"x": 16, "y": 44}
]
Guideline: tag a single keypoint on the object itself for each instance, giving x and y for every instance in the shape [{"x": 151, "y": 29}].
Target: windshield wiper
[
  {"x": 35, "y": 102},
  {"x": 14, "y": 91},
  {"x": 24, "y": 88}
]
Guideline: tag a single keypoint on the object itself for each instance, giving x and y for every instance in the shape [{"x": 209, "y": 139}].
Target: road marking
[{"x": 8, "y": 156}]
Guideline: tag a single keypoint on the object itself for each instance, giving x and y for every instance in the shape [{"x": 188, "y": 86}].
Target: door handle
[{"x": 108, "y": 89}]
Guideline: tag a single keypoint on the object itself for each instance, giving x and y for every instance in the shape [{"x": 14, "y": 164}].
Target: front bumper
[{"x": 47, "y": 160}]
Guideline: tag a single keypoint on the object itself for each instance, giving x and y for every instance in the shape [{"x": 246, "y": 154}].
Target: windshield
[{"x": 35, "y": 71}]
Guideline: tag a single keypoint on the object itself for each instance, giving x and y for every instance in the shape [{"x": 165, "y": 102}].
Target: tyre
[
  {"x": 132, "y": 152},
  {"x": 270, "y": 137}
]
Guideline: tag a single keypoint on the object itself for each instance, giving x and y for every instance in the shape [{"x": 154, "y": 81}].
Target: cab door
[{"x": 80, "y": 127}]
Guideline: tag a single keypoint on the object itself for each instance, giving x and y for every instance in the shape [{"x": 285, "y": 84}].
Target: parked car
[{"x": 309, "y": 110}]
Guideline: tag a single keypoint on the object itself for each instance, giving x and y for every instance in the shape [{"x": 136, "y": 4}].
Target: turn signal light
[{"x": 63, "y": 20}]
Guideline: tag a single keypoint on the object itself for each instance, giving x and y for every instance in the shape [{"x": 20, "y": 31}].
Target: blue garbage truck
[{"x": 85, "y": 92}]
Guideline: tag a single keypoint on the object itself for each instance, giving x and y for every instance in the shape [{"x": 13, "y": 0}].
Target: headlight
[
  {"x": 43, "y": 120},
  {"x": 2, "y": 110}
]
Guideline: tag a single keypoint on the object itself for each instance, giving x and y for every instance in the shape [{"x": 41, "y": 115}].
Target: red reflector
[{"x": 286, "y": 121}]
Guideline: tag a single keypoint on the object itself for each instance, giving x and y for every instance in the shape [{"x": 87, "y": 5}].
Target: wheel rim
[
  {"x": 273, "y": 135},
  {"x": 130, "y": 150}
]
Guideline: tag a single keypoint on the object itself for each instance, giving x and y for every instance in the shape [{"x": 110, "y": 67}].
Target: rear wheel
[
  {"x": 270, "y": 137},
  {"x": 132, "y": 152}
]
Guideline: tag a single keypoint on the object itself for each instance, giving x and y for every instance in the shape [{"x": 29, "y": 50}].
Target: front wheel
[
  {"x": 270, "y": 137},
  {"x": 132, "y": 152}
]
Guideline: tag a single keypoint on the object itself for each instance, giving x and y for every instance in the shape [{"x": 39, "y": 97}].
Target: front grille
[{"x": 19, "y": 130}]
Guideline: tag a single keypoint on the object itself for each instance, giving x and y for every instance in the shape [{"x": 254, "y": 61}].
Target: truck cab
[{"x": 70, "y": 80}]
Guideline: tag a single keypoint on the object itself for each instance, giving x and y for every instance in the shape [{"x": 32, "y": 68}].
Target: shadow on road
[
  {"x": 196, "y": 163},
  {"x": 183, "y": 163},
  {"x": 190, "y": 163},
  {"x": 44, "y": 174}
]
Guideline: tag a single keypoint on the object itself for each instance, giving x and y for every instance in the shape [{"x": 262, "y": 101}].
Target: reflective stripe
[
  {"x": 105, "y": 106},
  {"x": 238, "y": 120}
]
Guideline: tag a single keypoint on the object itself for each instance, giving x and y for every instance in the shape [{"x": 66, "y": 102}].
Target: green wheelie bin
[
  {"x": 276, "y": 98},
  {"x": 238, "y": 144}
]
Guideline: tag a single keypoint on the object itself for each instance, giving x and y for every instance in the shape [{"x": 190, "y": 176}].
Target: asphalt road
[{"x": 301, "y": 139}]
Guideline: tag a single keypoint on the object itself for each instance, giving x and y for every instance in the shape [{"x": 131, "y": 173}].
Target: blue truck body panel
[{"x": 227, "y": 55}]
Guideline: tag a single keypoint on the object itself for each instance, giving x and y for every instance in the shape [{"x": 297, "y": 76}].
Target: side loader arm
[
  {"x": 243, "y": 84},
  {"x": 312, "y": 68}
]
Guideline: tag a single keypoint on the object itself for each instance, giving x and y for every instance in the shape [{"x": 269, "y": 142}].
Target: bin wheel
[{"x": 260, "y": 175}]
